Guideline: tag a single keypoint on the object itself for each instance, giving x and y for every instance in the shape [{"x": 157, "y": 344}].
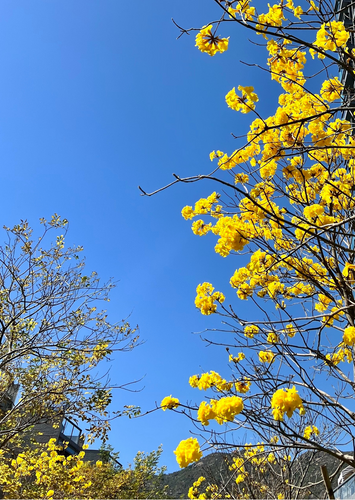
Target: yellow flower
[
  {"x": 286, "y": 401},
  {"x": 349, "y": 272},
  {"x": 309, "y": 430},
  {"x": 168, "y": 403},
  {"x": 238, "y": 358},
  {"x": 50, "y": 493},
  {"x": 245, "y": 103},
  {"x": 99, "y": 463},
  {"x": 188, "y": 451},
  {"x": 193, "y": 490},
  {"x": 243, "y": 386},
  {"x": 187, "y": 213},
  {"x": 330, "y": 36},
  {"x": 205, "y": 413},
  {"x": 207, "y": 42},
  {"x": 272, "y": 338},
  {"x": 290, "y": 330},
  {"x": 205, "y": 299},
  {"x": 251, "y": 330},
  {"x": 227, "y": 408},
  {"x": 216, "y": 154},
  {"x": 298, "y": 12},
  {"x": 349, "y": 336},
  {"x": 193, "y": 381},
  {"x": 331, "y": 89},
  {"x": 323, "y": 303},
  {"x": 243, "y": 178},
  {"x": 266, "y": 357}
]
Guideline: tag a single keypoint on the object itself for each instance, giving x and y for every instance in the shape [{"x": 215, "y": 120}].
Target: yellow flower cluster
[
  {"x": 212, "y": 491},
  {"x": 330, "y": 36},
  {"x": 309, "y": 430},
  {"x": 224, "y": 410},
  {"x": 243, "y": 9},
  {"x": 227, "y": 408},
  {"x": 261, "y": 276},
  {"x": 250, "y": 331},
  {"x": 274, "y": 17},
  {"x": 349, "y": 272},
  {"x": 272, "y": 338},
  {"x": 236, "y": 359},
  {"x": 244, "y": 103},
  {"x": 349, "y": 336},
  {"x": 256, "y": 456},
  {"x": 193, "y": 490},
  {"x": 243, "y": 386},
  {"x": 188, "y": 451},
  {"x": 339, "y": 356},
  {"x": 290, "y": 330},
  {"x": 206, "y": 299},
  {"x": 286, "y": 401},
  {"x": 206, "y": 412},
  {"x": 202, "y": 207},
  {"x": 216, "y": 154},
  {"x": 238, "y": 464},
  {"x": 286, "y": 65},
  {"x": 331, "y": 89},
  {"x": 243, "y": 178},
  {"x": 208, "y": 380},
  {"x": 43, "y": 472},
  {"x": 169, "y": 403},
  {"x": 266, "y": 357},
  {"x": 323, "y": 303},
  {"x": 207, "y": 42}
]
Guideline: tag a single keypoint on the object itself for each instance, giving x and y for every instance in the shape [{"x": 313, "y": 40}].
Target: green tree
[{"x": 53, "y": 337}]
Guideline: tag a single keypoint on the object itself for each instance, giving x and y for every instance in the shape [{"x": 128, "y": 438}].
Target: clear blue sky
[{"x": 97, "y": 98}]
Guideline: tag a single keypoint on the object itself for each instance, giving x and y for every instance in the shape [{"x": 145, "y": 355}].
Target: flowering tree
[
  {"x": 45, "y": 472},
  {"x": 52, "y": 336},
  {"x": 289, "y": 207}
]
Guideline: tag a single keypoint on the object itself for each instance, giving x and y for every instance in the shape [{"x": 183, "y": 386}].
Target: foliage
[
  {"x": 53, "y": 339},
  {"x": 288, "y": 212},
  {"x": 46, "y": 472}
]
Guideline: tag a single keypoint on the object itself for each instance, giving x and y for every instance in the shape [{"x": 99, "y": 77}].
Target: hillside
[{"x": 214, "y": 467}]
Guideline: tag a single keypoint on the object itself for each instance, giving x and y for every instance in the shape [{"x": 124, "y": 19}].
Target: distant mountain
[{"x": 215, "y": 468}]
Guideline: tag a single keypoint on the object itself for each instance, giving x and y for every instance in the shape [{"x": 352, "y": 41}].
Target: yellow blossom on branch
[
  {"x": 309, "y": 430},
  {"x": 169, "y": 403},
  {"x": 243, "y": 386},
  {"x": 286, "y": 401},
  {"x": 206, "y": 299},
  {"x": 266, "y": 357},
  {"x": 227, "y": 408},
  {"x": 251, "y": 330},
  {"x": 188, "y": 451},
  {"x": 349, "y": 336},
  {"x": 207, "y": 42},
  {"x": 244, "y": 103},
  {"x": 332, "y": 89},
  {"x": 331, "y": 36},
  {"x": 349, "y": 272}
]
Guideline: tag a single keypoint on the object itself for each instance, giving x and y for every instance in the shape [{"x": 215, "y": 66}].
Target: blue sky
[{"x": 97, "y": 98}]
